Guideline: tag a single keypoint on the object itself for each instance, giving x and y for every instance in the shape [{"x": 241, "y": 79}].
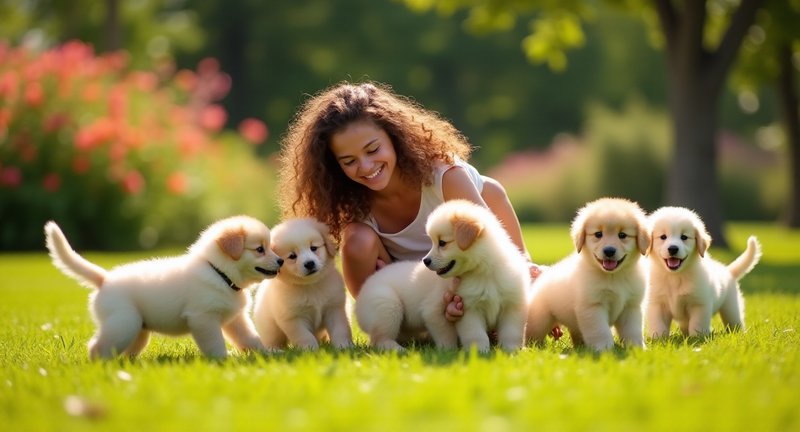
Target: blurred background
[{"x": 135, "y": 123}]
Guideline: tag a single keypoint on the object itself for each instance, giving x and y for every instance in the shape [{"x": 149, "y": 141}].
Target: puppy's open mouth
[
  {"x": 446, "y": 269},
  {"x": 610, "y": 264},
  {"x": 673, "y": 263},
  {"x": 266, "y": 272}
]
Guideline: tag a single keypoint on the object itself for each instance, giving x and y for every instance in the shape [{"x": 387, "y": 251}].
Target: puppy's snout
[
  {"x": 309, "y": 265},
  {"x": 609, "y": 251},
  {"x": 280, "y": 262},
  {"x": 673, "y": 250},
  {"x": 427, "y": 262}
]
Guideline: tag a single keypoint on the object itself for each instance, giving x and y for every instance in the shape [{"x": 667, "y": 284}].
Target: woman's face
[{"x": 365, "y": 153}]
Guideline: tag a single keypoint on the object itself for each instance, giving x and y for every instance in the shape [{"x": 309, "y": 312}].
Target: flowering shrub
[{"x": 112, "y": 154}]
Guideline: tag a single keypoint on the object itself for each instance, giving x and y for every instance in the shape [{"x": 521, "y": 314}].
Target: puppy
[
  {"x": 602, "y": 284},
  {"x": 200, "y": 292},
  {"x": 402, "y": 302},
  {"x": 468, "y": 242},
  {"x": 686, "y": 284},
  {"x": 305, "y": 303}
]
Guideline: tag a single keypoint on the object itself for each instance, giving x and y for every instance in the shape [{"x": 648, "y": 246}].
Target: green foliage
[
  {"x": 626, "y": 153},
  {"x": 118, "y": 157},
  {"x": 739, "y": 381}
]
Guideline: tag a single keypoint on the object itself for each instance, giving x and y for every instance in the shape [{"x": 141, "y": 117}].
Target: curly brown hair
[{"x": 311, "y": 182}]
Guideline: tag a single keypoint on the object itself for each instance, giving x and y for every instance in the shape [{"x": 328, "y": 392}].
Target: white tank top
[{"x": 412, "y": 243}]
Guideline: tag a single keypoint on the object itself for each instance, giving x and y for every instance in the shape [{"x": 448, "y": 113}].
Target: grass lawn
[{"x": 728, "y": 382}]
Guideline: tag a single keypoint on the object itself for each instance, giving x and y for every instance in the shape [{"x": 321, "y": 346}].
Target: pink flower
[
  {"x": 133, "y": 182},
  {"x": 177, "y": 183},
  {"x": 81, "y": 165},
  {"x": 11, "y": 177},
  {"x": 213, "y": 117},
  {"x": 54, "y": 122},
  {"x": 51, "y": 182},
  {"x": 253, "y": 130},
  {"x": 34, "y": 94}
]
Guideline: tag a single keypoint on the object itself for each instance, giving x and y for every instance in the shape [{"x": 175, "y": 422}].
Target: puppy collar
[{"x": 225, "y": 278}]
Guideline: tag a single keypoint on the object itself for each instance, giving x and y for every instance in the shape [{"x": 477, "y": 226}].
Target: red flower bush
[{"x": 102, "y": 149}]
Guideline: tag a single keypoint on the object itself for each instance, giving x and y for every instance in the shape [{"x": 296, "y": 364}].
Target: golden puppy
[
  {"x": 467, "y": 242},
  {"x": 686, "y": 284},
  {"x": 602, "y": 284},
  {"x": 402, "y": 302},
  {"x": 201, "y": 292},
  {"x": 305, "y": 303}
]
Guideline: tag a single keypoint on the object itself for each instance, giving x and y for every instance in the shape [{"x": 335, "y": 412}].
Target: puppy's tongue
[
  {"x": 610, "y": 264},
  {"x": 673, "y": 263}
]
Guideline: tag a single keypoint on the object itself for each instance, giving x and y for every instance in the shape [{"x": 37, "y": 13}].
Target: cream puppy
[
  {"x": 600, "y": 285},
  {"x": 686, "y": 284},
  {"x": 467, "y": 242},
  {"x": 305, "y": 303},
  {"x": 201, "y": 292},
  {"x": 402, "y": 302}
]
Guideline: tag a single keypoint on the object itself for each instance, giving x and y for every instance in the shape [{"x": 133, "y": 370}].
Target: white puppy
[
  {"x": 201, "y": 292},
  {"x": 305, "y": 303},
  {"x": 602, "y": 284},
  {"x": 686, "y": 284},
  {"x": 467, "y": 242}
]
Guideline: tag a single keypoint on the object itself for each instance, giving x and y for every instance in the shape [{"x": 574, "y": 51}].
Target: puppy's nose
[
  {"x": 427, "y": 262},
  {"x": 280, "y": 262},
  {"x": 672, "y": 250},
  {"x": 609, "y": 251},
  {"x": 309, "y": 265}
]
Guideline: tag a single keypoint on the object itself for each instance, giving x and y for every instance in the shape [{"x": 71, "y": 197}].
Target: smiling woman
[{"x": 372, "y": 165}]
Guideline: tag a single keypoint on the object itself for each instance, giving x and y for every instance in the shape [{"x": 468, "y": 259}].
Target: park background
[{"x": 134, "y": 124}]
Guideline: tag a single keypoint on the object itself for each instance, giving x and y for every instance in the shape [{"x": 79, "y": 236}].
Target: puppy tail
[
  {"x": 747, "y": 260},
  {"x": 69, "y": 262}
]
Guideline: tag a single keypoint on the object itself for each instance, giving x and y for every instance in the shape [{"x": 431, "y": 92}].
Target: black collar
[{"x": 225, "y": 277}]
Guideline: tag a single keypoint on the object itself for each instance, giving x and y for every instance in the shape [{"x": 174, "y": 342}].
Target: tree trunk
[
  {"x": 692, "y": 179},
  {"x": 696, "y": 77},
  {"x": 788, "y": 100},
  {"x": 113, "y": 39}
]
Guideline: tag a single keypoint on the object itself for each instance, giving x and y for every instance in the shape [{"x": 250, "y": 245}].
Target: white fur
[
  {"x": 686, "y": 284},
  {"x": 468, "y": 242},
  {"x": 600, "y": 285},
  {"x": 175, "y": 295},
  {"x": 305, "y": 303}
]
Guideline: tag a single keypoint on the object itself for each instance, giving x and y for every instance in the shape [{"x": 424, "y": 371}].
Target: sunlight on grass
[{"x": 741, "y": 381}]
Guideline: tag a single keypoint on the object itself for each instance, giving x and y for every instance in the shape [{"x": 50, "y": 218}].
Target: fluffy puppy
[
  {"x": 602, "y": 284},
  {"x": 305, "y": 303},
  {"x": 402, "y": 302},
  {"x": 686, "y": 284},
  {"x": 200, "y": 292},
  {"x": 469, "y": 242}
]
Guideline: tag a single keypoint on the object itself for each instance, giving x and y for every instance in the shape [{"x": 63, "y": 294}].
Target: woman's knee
[
  {"x": 493, "y": 191},
  {"x": 359, "y": 238}
]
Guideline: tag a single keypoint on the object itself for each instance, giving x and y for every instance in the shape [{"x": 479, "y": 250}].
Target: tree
[
  {"x": 701, "y": 39},
  {"x": 768, "y": 60}
]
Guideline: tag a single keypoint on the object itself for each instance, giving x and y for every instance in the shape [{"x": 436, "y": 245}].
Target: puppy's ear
[
  {"x": 325, "y": 232},
  {"x": 466, "y": 231},
  {"x": 231, "y": 242},
  {"x": 578, "y": 235},
  {"x": 644, "y": 240},
  {"x": 703, "y": 240}
]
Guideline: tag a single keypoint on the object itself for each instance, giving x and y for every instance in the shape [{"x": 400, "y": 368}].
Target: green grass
[{"x": 743, "y": 381}]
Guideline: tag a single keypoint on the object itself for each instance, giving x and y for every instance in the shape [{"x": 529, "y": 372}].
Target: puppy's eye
[
  {"x": 622, "y": 236},
  {"x": 292, "y": 256},
  {"x": 260, "y": 249},
  {"x": 663, "y": 237},
  {"x": 598, "y": 234},
  {"x": 442, "y": 243},
  {"x": 314, "y": 248},
  {"x": 684, "y": 237}
]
